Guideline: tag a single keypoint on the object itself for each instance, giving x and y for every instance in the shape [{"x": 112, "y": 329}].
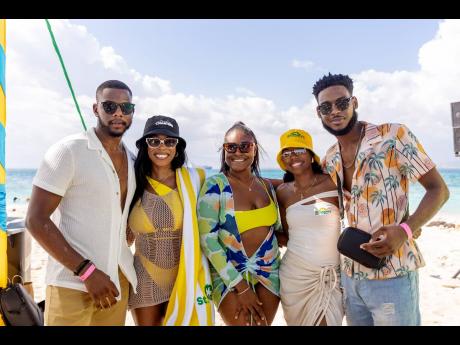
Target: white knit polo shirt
[{"x": 89, "y": 215}]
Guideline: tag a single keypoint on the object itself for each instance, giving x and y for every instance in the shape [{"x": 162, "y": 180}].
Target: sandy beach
[{"x": 439, "y": 293}]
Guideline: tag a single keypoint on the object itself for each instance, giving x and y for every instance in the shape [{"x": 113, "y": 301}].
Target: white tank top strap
[{"x": 327, "y": 194}]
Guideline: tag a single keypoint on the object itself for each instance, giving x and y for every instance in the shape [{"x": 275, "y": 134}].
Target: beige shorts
[{"x": 70, "y": 307}]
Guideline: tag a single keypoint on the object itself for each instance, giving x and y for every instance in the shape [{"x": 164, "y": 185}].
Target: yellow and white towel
[{"x": 190, "y": 302}]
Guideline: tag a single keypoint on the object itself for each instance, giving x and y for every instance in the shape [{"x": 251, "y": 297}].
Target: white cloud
[
  {"x": 112, "y": 61},
  {"x": 40, "y": 110},
  {"x": 307, "y": 65},
  {"x": 245, "y": 91}
]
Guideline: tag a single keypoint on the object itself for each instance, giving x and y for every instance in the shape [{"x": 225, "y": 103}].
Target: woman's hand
[
  {"x": 282, "y": 239},
  {"x": 249, "y": 304},
  {"x": 130, "y": 237}
]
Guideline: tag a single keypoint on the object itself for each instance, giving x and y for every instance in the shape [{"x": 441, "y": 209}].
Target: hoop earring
[{"x": 176, "y": 155}]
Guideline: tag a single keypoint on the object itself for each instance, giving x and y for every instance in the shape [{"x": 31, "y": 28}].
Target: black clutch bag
[
  {"x": 348, "y": 244},
  {"x": 18, "y": 308},
  {"x": 351, "y": 238}
]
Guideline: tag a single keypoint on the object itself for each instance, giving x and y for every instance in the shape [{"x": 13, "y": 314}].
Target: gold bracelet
[{"x": 242, "y": 292}]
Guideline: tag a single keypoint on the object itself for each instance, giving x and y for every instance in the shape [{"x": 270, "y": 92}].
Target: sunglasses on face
[
  {"x": 296, "y": 152},
  {"x": 244, "y": 147},
  {"x": 156, "y": 142},
  {"x": 341, "y": 104},
  {"x": 111, "y": 107}
]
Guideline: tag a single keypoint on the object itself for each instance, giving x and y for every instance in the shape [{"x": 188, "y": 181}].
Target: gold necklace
[
  {"x": 248, "y": 187},
  {"x": 301, "y": 194},
  {"x": 356, "y": 153}
]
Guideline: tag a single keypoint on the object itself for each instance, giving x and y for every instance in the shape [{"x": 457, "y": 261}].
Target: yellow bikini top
[{"x": 250, "y": 219}]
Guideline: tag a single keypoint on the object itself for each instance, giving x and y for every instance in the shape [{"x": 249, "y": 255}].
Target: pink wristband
[
  {"x": 88, "y": 272},
  {"x": 407, "y": 229}
]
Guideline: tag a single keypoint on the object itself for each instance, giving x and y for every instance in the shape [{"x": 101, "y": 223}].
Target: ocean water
[{"x": 19, "y": 186}]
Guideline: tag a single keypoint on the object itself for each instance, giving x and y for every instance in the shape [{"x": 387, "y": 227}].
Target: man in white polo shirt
[{"x": 78, "y": 212}]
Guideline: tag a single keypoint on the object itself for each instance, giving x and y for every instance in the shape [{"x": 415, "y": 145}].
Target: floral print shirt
[
  {"x": 390, "y": 156},
  {"x": 221, "y": 242}
]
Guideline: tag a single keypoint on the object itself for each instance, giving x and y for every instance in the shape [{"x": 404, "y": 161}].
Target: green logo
[
  {"x": 205, "y": 299},
  {"x": 322, "y": 211},
  {"x": 208, "y": 291},
  {"x": 295, "y": 134}
]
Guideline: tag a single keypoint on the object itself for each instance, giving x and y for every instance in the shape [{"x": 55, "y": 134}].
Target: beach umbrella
[{"x": 3, "y": 235}]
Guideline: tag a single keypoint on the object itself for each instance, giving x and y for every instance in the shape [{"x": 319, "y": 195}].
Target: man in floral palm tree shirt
[{"x": 375, "y": 164}]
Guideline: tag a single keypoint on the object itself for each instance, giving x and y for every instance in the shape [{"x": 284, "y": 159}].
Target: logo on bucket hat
[
  {"x": 295, "y": 134},
  {"x": 163, "y": 122},
  {"x": 160, "y": 124}
]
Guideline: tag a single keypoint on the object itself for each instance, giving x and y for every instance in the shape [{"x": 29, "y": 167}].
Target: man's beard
[
  {"x": 345, "y": 130},
  {"x": 106, "y": 129}
]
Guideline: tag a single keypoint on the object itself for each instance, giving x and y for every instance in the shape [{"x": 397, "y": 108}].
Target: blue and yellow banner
[{"x": 3, "y": 258}]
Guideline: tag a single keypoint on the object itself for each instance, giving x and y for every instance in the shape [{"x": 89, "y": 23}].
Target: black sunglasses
[
  {"x": 244, "y": 147},
  {"x": 341, "y": 104},
  {"x": 111, "y": 107}
]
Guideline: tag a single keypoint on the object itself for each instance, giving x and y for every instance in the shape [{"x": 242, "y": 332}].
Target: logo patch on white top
[
  {"x": 322, "y": 211},
  {"x": 162, "y": 122}
]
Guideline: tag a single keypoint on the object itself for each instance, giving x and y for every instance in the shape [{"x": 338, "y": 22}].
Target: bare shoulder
[
  {"x": 284, "y": 190},
  {"x": 326, "y": 182}
]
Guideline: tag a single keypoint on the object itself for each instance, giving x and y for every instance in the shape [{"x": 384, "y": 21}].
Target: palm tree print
[
  {"x": 392, "y": 183},
  {"x": 403, "y": 270},
  {"x": 410, "y": 151},
  {"x": 356, "y": 192},
  {"x": 378, "y": 198},
  {"x": 390, "y": 161},
  {"x": 411, "y": 256},
  {"x": 375, "y": 162},
  {"x": 407, "y": 170},
  {"x": 372, "y": 178},
  {"x": 379, "y": 192}
]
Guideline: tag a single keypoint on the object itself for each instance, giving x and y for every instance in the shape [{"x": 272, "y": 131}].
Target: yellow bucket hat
[{"x": 297, "y": 138}]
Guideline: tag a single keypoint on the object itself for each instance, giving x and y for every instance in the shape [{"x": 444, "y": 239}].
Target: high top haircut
[{"x": 332, "y": 80}]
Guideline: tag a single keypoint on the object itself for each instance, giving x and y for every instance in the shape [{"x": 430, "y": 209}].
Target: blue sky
[
  {"x": 209, "y": 74},
  {"x": 214, "y": 57}
]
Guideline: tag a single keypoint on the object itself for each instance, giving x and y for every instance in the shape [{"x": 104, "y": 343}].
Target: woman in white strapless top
[{"x": 310, "y": 268}]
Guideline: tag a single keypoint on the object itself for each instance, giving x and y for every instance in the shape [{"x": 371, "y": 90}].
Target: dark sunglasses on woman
[
  {"x": 244, "y": 147},
  {"x": 156, "y": 142}
]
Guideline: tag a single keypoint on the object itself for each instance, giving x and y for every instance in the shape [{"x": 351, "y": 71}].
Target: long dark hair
[
  {"x": 143, "y": 167},
  {"x": 255, "y": 168},
  {"x": 289, "y": 177}
]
